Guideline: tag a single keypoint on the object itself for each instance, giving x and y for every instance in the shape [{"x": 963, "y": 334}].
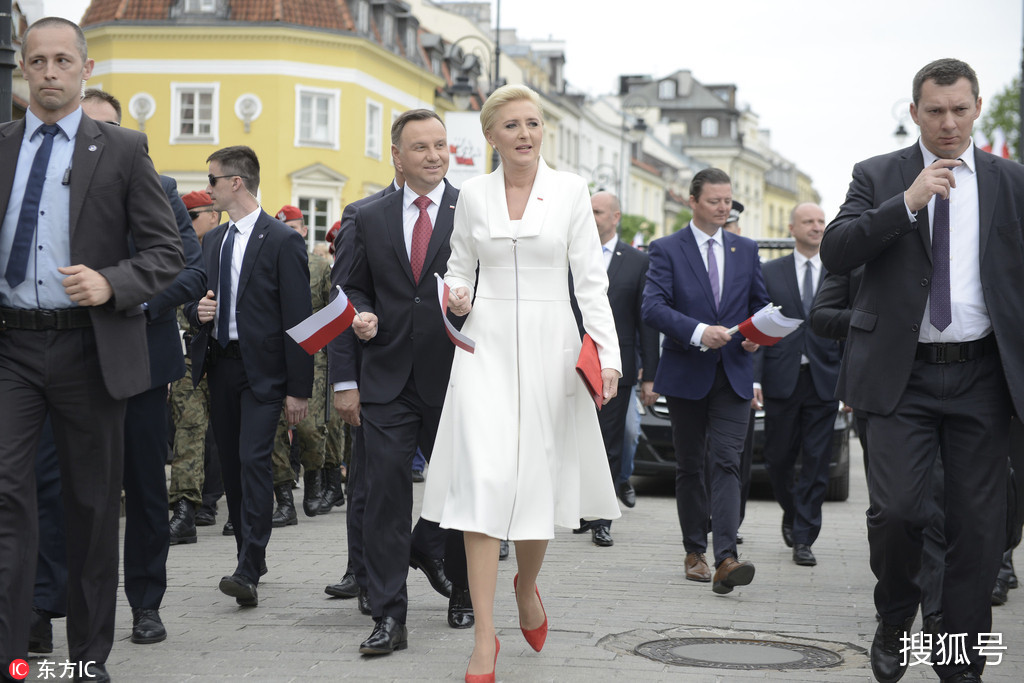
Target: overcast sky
[{"x": 823, "y": 76}]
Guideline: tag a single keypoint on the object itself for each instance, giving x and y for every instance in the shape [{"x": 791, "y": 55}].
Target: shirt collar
[
  {"x": 702, "y": 237},
  {"x": 610, "y": 244},
  {"x": 801, "y": 260},
  {"x": 68, "y": 124},
  {"x": 246, "y": 224},
  {"x": 967, "y": 157},
  {"x": 409, "y": 196}
]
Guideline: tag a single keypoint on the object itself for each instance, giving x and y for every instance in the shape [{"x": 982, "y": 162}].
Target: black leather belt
[
  {"x": 216, "y": 351},
  {"x": 956, "y": 353},
  {"x": 41, "y": 319}
]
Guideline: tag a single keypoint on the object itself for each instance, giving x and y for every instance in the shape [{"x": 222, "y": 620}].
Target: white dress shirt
[
  {"x": 719, "y": 248},
  {"x": 970, "y": 314},
  {"x": 608, "y": 250},
  {"x": 244, "y": 227}
]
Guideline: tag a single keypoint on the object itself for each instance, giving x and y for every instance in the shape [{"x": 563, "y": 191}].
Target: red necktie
[{"x": 420, "y": 237}]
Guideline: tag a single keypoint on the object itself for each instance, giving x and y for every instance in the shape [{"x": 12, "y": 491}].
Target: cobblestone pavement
[{"x": 601, "y": 603}]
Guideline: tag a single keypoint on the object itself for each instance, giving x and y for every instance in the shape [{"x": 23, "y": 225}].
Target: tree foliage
[
  {"x": 682, "y": 220},
  {"x": 1003, "y": 111},
  {"x": 630, "y": 224}
]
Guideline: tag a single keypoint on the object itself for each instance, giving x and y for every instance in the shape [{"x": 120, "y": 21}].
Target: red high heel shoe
[
  {"x": 485, "y": 678},
  {"x": 535, "y": 637}
]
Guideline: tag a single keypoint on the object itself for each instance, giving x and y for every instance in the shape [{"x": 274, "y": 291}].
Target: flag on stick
[
  {"x": 459, "y": 339},
  {"x": 766, "y": 327},
  {"x": 313, "y": 333}
]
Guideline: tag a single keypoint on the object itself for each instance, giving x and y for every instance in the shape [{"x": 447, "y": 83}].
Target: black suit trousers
[
  {"x": 612, "y": 418},
  {"x": 960, "y": 411},
  {"x": 356, "y": 507},
  {"x": 717, "y": 423},
  {"x": 392, "y": 432},
  {"x": 244, "y": 428},
  {"x": 51, "y": 589},
  {"x": 59, "y": 372},
  {"x": 146, "y": 529},
  {"x": 799, "y": 421}
]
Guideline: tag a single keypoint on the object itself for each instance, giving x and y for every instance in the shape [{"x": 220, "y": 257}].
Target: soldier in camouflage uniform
[{"x": 311, "y": 433}]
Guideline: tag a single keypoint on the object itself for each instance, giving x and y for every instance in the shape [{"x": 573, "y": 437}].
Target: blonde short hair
[{"x": 501, "y": 97}]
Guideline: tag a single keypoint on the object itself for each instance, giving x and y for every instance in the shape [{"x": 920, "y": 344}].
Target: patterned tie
[
  {"x": 808, "y": 295},
  {"x": 225, "y": 294},
  {"x": 713, "y": 273},
  {"x": 17, "y": 262},
  {"x": 420, "y": 237},
  {"x": 941, "y": 310}
]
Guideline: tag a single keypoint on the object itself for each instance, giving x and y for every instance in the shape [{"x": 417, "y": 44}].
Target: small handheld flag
[
  {"x": 766, "y": 327},
  {"x": 313, "y": 333},
  {"x": 459, "y": 339}
]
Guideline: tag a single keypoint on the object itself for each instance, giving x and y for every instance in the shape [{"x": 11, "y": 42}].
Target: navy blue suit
[
  {"x": 246, "y": 393},
  {"x": 709, "y": 392},
  {"x": 799, "y": 406}
]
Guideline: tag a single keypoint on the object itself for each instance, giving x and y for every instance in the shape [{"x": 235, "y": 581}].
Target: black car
[{"x": 656, "y": 457}]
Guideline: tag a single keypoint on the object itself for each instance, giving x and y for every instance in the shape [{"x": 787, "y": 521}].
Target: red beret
[
  {"x": 289, "y": 213},
  {"x": 332, "y": 235},
  {"x": 196, "y": 199}
]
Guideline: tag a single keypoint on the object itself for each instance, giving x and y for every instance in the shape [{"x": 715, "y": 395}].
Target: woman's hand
[
  {"x": 458, "y": 301},
  {"x": 610, "y": 379}
]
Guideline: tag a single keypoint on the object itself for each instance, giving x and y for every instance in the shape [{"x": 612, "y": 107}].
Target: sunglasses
[{"x": 214, "y": 178}]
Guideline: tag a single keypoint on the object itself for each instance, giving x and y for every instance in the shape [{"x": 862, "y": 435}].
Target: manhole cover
[{"x": 737, "y": 653}]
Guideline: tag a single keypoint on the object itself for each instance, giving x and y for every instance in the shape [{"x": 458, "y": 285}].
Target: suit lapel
[
  {"x": 216, "y": 237},
  {"x": 252, "y": 252},
  {"x": 536, "y": 206},
  {"x": 988, "y": 182},
  {"x": 394, "y": 225},
  {"x": 616, "y": 263},
  {"x": 700, "y": 272},
  {"x": 10, "y": 148},
  {"x": 732, "y": 271},
  {"x": 442, "y": 232},
  {"x": 89, "y": 145},
  {"x": 792, "y": 286}
]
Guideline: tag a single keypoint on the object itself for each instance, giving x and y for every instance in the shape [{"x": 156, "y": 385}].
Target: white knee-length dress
[{"x": 519, "y": 447}]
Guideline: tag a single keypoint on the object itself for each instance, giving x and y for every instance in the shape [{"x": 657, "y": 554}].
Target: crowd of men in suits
[{"x": 90, "y": 343}]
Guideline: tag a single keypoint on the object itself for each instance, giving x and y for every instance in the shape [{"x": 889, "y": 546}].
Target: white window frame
[
  {"x": 179, "y": 89},
  {"x": 200, "y": 6},
  {"x": 362, "y": 17},
  {"x": 667, "y": 90},
  {"x": 316, "y": 233},
  {"x": 374, "y": 129},
  {"x": 709, "y": 127},
  {"x": 333, "y": 96}
]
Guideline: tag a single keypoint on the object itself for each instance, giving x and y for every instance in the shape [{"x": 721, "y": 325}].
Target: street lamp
[
  {"x": 470, "y": 66},
  {"x": 900, "y": 113},
  {"x": 604, "y": 176},
  {"x": 634, "y": 106}
]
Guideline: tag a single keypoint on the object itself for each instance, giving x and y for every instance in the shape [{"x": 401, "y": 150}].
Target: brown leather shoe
[
  {"x": 697, "y": 568},
  {"x": 731, "y": 572}
]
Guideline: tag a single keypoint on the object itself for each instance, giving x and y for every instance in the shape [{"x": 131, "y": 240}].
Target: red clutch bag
[{"x": 588, "y": 367}]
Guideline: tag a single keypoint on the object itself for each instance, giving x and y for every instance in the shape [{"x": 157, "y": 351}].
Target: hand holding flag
[
  {"x": 313, "y": 333},
  {"x": 459, "y": 339},
  {"x": 766, "y": 327}
]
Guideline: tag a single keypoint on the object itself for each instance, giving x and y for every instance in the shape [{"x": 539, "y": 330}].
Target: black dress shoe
[
  {"x": 229, "y": 529},
  {"x": 1000, "y": 592},
  {"x": 364, "y": 602},
  {"x": 626, "y": 494},
  {"x": 241, "y": 589},
  {"x": 1011, "y": 582},
  {"x": 887, "y": 661},
  {"x": 602, "y": 536},
  {"x": 502, "y": 549},
  {"x": 40, "y": 632},
  {"x": 460, "y": 609},
  {"x": 932, "y": 624},
  {"x": 434, "y": 569},
  {"x": 583, "y": 528},
  {"x": 205, "y": 517},
  {"x": 147, "y": 627},
  {"x": 417, "y": 477},
  {"x": 346, "y": 588},
  {"x": 263, "y": 567},
  {"x": 787, "y": 534},
  {"x": 95, "y": 672},
  {"x": 803, "y": 556},
  {"x": 183, "y": 523},
  {"x": 388, "y": 635},
  {"x": 968, "y": 676},
  {"x": 739, "y": 539}
]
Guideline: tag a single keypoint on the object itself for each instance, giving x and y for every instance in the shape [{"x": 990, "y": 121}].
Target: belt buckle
[
  {"x": 47, "y": 319},
  {"x": 940, "y": 353}
]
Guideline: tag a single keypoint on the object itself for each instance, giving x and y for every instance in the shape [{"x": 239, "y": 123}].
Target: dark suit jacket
[
  {"x": 778, "y": 367},
  {"x": 166, "y": 360},
  {"x": 115, "y": 198},
  {"x": 873, "y": 229},
  {"x": 627, "y": 275},
  {"x": 410, "y": 338},
  {"x": 830, "y": 316},
  {"x": 343, "y": 351},
  {"x": 678, "y": 297},
  {"x": 273, "y": 295}
]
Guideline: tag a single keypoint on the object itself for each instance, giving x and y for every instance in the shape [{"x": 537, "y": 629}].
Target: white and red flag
[
  {"x": 766, "y": 327},
  {"x": 459, "y": 339},
  {"x": 981, "y": 140},
  {"x": 313, "y": 333},
  {"x": 999, "y": 145}
]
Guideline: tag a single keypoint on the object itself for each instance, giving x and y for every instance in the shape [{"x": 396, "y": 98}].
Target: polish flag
[
  {"x": 981, "y": 141},
  {"x": 999, "y": 146},
  {"x": 313, "y": 333},
  {"x": 459, "y": 339},
  {"x": 768, "y": 326}
]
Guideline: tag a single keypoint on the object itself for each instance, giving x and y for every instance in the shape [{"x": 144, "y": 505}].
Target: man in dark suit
[
  {"x": 401, "y": 240},
  {"x": 797, "y": 380},
  {"x": 259, "y": 287},
  {"x": 627, "y": 274},
  {"x": 343, "y": 360},
  {"x": 934, "y": 356},
  {"x": 702, "y": 281},
  {"x": 84, "y": 200}
]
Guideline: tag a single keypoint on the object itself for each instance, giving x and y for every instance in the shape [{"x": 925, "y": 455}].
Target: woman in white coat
[{"x": 519, "y": 448}]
